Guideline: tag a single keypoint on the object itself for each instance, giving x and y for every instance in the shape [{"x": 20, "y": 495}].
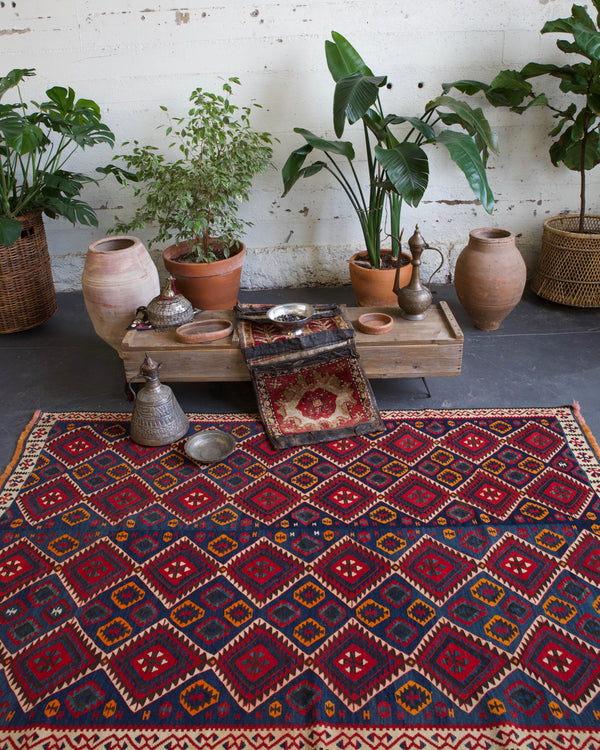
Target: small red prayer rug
[
  {"x": 434, "y": 584},
  {"x": 310, "y": 388}
]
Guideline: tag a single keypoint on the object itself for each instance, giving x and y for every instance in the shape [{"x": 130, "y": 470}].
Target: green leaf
[
  {"x": 568, "y": 150},
  {"x": 472, "y": 120},
  {"x": 14, "y": 78},
  {"x": 465, "y": 86},
  {"x": 10, "y": 231},
  {"x": 465, "y": 155},
  {"x": 588, "y": 41},
  {"x": 342, "y": 148},
  {"x": 559, "y": 26},
  {"x": 342, "y": 59},
  {"x": 508, "y": 89},
  {"x": 292, "y": 167},
  {"x": 62, "y": 97},
  {"x": 422, "y": 127},
  {"x": 581, "y": 15},
  {"x": 407, "y": 168},
  {"x": 353, "y": 97}
]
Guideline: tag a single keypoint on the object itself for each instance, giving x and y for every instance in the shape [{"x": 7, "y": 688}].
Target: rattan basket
[
  {"x": 27, "y": 296},
  {"x": 568, "y": 269}
]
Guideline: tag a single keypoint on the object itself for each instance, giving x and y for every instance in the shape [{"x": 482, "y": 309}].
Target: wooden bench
[{"x": 431, "y": 347}]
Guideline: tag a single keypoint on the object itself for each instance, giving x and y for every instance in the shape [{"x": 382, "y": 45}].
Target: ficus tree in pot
[
  {"x": 194, "y": 198},
  {"x": 395, "y": 147},
  {"x": 576, "y": 134}
]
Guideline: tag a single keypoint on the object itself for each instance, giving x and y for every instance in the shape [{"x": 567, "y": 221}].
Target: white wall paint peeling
[{"x": 134, "y": 55}]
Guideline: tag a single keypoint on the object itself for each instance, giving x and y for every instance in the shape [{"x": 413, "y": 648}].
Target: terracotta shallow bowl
[
  {"x": 203, "y": 331},
  {"x": 375, "y": 323}
]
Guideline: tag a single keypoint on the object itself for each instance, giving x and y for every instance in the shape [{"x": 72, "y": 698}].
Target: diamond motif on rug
[
  {"x": 180, "y": 569},
  {"x": 557, "y": 491},
  {"x": 562, "y": 662},
  {"x": 461, "y": 665},
  {"x": 490, "y": 495},
  {"x": 257, "y": 664},
  {"x": 436, "y": 570},
  {"x": 96, "y": 569},
  {"x": 343, "y": 498},
  {"x": 194, "y": 500},
  {"x": 49, "y": 499},
  {"x": 472, "y": 442},
  {"x": 51, "y": 663},
  {"x": 154, "y": 662},
  {"x": 264, "y": 571},
  {"x": 351, "y": 569},
  {"x": 355, "y": 665},
  {"x": 21, "y": 564},
  {"x": 522, "y": 567},
  {"x": 584, "y": 558},
  {"x": 267, "y": 501},
  {"x": 419, "y": 498},
  {"x": 122, "y": 499},
  {"x": 537, "y": 439}
]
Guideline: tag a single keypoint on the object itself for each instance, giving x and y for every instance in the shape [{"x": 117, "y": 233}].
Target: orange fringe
[
  {"x": 20, "y": 442},
  {"x": 586, "y": 430}
]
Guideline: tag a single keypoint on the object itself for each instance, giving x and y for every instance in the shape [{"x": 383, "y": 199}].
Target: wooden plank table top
[{"x": 431, "y": 347}]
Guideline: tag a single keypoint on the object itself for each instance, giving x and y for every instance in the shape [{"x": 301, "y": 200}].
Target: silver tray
[{"x": 209, "y": 446}]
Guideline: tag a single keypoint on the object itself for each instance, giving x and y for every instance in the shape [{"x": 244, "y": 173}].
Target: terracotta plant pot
[
  {"x": 208, "y": 286},
  {"x": 375, "y": 287},
  {"x": 490, "y": 276},
  {"x": 118, "y": 277}
]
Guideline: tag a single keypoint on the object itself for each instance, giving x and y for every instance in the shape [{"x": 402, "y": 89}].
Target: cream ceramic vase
[
  {"x": 490, "y": 276},
  {"x": 118, "y": 277}
]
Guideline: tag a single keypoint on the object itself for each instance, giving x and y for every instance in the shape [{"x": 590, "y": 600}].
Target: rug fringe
[
  {"x": 19, "y": 449},
  {"x": 588, "y": 433}
]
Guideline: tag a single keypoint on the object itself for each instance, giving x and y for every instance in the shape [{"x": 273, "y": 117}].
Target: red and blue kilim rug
[{"x": 432, "y": 585}]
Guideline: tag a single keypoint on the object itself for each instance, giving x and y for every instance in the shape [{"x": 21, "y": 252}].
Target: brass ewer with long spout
[{"x": 414, "y": 299}]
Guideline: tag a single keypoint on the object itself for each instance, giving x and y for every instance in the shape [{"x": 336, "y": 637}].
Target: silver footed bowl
[{"x": 291, "y": 316}]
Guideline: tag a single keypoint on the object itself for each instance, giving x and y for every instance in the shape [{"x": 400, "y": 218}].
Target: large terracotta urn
[
  {"x": 490, "y": 276},
  {"x": 208, "y": 286},
  {"x": 374, "y": 287},
  {"x": 118, "y": 277}
]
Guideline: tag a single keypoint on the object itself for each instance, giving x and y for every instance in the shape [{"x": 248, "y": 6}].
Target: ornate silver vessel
[
  {"x": 157, "y": 418},
  {"x": 170, "y": 309}
]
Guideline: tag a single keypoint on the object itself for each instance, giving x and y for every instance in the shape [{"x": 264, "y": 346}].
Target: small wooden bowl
[
  {"x": 203, "y": 331},
  {"x": 375, "y": 323}
]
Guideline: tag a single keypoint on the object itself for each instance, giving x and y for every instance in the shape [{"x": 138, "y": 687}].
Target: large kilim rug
[{"x": 432, "y": 585}]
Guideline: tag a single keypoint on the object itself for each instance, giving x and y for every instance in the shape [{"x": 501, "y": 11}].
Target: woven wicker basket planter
[
  {"x": 568, "y": 269},
  {"x": 27, "y": 296}
]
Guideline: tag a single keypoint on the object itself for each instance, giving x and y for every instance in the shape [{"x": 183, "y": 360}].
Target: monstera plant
[{"x": 395, "y": 147}]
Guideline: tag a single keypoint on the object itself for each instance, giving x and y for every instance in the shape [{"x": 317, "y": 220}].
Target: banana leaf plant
[
  {"x": 36, "y": 141},
  {"x": 576, "y": 135},
  {"x": 398, "y": 165}
]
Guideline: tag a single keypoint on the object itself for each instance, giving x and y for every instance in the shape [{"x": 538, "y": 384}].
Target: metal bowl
[
  {"x": 292, "y": 316},
  {"x": 209, "y": 446}
]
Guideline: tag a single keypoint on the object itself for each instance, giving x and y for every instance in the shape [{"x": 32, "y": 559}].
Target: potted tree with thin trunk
[{"x": 568, "y": 269}]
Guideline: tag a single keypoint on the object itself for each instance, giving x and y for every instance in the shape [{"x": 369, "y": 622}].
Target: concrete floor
[{"x": 543, "y": 355}]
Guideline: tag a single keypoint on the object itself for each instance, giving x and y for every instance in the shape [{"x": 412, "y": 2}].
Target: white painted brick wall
[{"x": 133, "y": 55}]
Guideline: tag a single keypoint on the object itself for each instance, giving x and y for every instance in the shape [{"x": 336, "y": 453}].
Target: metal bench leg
[{"x": 426, "y": 387}]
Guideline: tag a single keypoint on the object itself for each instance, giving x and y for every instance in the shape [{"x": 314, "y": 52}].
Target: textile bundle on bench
[
  {"x": 433, "y": 584},
  {"x": 310, "y": 387}
]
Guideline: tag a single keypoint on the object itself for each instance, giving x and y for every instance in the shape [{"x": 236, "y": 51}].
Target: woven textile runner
[
  {"x": 310, "y": 388},
  {"x": 434, "y": 585}
]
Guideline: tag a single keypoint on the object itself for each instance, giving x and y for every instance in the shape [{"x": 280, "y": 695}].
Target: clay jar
[
  {"x": 118, "y": 277},
  {"x": 208, "y": 286},
  {"x": 490, "y": 276},
  {"x": 374, "y": 287}
]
